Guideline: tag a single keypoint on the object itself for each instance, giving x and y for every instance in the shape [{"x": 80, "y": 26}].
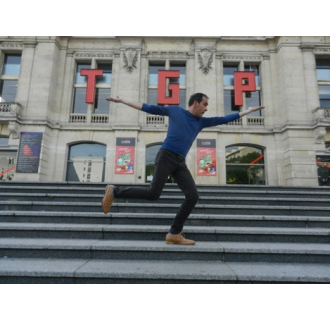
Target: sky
[{"x": 167, "y": 18}]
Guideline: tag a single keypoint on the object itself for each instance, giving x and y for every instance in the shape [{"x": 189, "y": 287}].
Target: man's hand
[
  {"x": 253, "y": 109},
  {"x": 250, "y": 110},
  {"x": 134, "y": 105},
  {"x": 116, "y": 100}
]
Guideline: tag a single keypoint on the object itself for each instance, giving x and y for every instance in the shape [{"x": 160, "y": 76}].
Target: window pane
[
  {"x": 228, "y": 75},
  {"x": 12, "y": 65},
  {"x": 152, "y": 96},
  {"x": 245, "y": 165},
  {"x": 153, "y": 73},
  {"x": 7, "y": 164},
  {"x": 252, "y": 175},
  {"x": 323, "y": 170},
  {"x": 107, "y": 74},
  {"x": 87, "y": 149},
  {"x": 230, "y": 102},
  {"x": 323, "y": 69},
  {"x": 182, "y": 79},
  {"x": 8, "y": 89},
  {"x": 244, "y": 155},
  {"x": 101, "y": 104},
  {"x": 82, "y": 156},
  {"x": 183, "y": 99},
  {"x": 256, "y": 71},
  {"x": 80, "y": 105},
  {"x": 324, "y": 94},
  {"x": 81, "y": 79},
  {"x": 4, "y": 141},
  {"x": 252, "y": 99}
]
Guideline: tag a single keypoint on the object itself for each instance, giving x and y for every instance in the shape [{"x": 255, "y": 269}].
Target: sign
[
  {"x": 174, "y": 88},
  {"x": 125, "y": 156},
  {"x": 206, "y": 157},
  {"x": 91, "y": 75},
  {"x": 244, "y": 81},
  {"x": 29, "y": 152}
]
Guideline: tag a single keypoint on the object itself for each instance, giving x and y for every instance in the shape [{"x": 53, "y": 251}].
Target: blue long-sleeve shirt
[{"x": 184, "y": 127}]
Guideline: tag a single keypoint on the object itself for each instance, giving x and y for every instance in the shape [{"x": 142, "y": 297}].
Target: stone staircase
[{"x": 57, "y": 233}]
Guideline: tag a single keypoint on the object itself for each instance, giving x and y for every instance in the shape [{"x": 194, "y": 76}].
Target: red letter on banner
[
  {"x": 91, "y": 75},
  {"x": 241, "y": 87},
  {"x": 173, "y": 87}
]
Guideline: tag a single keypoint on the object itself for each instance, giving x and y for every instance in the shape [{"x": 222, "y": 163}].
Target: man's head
[{"x": 198, "y": 103}]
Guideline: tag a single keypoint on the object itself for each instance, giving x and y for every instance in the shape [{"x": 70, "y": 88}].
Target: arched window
[
  {"x": 245, "y": 165},
  {"x": 86, "y": 162}
]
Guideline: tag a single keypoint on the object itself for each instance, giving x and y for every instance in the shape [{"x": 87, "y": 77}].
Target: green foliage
[{"x": 248, "y": 174}]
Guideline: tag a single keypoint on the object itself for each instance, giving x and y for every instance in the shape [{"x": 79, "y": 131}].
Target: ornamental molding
[
  {"x": 322, "y": 50},
  {"x": 130, "y": 58},
  {"x": 205, "y": 59},
  {"x": 167, "y": 54},
  {"x": 241, "y": 57},
  {"x": 11, "y": 45},
  {"x": 14, "y": 130},
  {"x": 93, "y": 55},
  {"x": 320, "y": 134}
]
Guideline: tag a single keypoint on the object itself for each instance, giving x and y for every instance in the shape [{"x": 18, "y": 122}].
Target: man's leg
[
  {"x": 164, "y": 165},
  {"x": 187, "y": 184}
]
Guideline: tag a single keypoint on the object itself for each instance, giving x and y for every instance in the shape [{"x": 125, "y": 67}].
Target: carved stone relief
[
  {"x": 130, "y": 59},
  {"x": 205, "y": 59}
]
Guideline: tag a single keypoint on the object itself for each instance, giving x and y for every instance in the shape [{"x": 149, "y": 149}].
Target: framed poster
[
  {"x": 206, "y": 157},
  {"x": 125, "y": 156},
  {"x": 29, "y": 152}
]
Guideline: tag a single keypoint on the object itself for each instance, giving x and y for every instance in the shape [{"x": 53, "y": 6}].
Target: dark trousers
[{"x": 167, "y": 163}]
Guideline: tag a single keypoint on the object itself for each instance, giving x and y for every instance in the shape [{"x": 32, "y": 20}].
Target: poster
[
  {"x": 206, "y": 157},
  {"x": 125, "y": 156},
  {"x": 29, "y": 152}
]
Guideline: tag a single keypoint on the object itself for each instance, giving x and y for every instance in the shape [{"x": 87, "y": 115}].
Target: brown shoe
[
  {"x": 178, "y": 239},
  {"x": 108, "y": 199}
]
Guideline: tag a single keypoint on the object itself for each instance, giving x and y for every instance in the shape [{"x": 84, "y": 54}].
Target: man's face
[{"x": 200, "y": 108}]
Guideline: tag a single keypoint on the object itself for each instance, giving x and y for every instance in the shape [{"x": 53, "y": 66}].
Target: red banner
[
  {"x": 206, "y": 157},
  {"x": 125, "y": 156}
]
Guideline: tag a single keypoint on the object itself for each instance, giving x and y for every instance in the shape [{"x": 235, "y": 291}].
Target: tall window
[
  {"x": 102, "y": 90},
  {"x": 86, "y": 162},
  {"x": 323, "y": 80},
  {"x": 228, "y": 86},
  {"x": 250, "y": 99},
  {"x": 245, "y": 165},
  {"x": 9, "y": 78},
  {"x": 153, "y": 80}
]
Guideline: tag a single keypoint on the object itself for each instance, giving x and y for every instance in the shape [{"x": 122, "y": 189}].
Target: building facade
[{"x": 54, "y": 127}]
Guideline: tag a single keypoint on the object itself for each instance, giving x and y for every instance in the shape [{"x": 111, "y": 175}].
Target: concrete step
[
  {"x": 165, "y": 199},
  {"x": 165, "y": 208},
  {"x": 159, "y": 250},
  {"x": 170, "y": 189},
  {"x": 84, "y": 271},
  {"x": 136, "y": 232},
  {"x": 165, "y": 219}
]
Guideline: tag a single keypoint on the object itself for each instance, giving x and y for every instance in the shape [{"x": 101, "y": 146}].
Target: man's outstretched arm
[
  {"x": 137, "y": 106},
  {"x": 251, "y": 109}
]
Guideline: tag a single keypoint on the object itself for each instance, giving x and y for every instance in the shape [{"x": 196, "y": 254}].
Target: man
[{"x": 184, "y": 126}]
